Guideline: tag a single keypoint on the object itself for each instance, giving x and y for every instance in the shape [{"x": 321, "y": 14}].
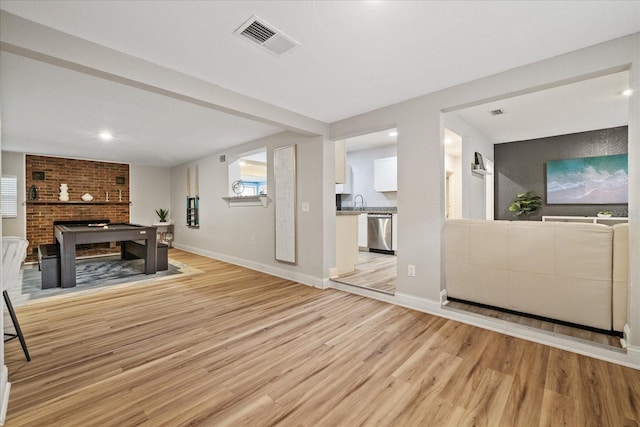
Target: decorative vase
[{"x": 64, "y": 193}]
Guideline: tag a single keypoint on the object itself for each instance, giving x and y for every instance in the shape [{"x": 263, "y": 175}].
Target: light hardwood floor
[
  {"x": 373, "y": 271},
  {"x": 378, "y": 272},
  {"x": 582, "y": 334},
  {"x": 234, "y": 347}
]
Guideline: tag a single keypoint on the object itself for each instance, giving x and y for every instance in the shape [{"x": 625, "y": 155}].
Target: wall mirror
[{"x": 251, "y": 168}]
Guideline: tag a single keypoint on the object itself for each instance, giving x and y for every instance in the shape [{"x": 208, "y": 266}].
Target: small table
[
  {"x": 165, "y": 232},
  {"x": 68, "y": 236}
]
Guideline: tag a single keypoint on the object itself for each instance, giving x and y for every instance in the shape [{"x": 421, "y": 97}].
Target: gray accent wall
[{"x": 521, "y": 166}]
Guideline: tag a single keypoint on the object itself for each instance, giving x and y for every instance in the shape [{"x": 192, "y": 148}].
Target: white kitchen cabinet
[
  {"x": 394, "y": 232},
  {"x": 348, "y": 183},
  {"x": 362, "y": 230},
  {"x": 385, "y": 174},
  {"x": 341, "y": 161}
]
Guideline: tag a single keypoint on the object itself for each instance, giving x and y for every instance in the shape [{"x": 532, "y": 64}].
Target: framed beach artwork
[{"x": 602, "y": 180}]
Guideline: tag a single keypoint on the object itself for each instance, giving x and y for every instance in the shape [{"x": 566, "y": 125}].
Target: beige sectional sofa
[{"x": 572, "y": 272}]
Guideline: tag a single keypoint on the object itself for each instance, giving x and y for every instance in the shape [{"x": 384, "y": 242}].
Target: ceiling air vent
[
  {"x": 497, "y": 112},
  {"x": 266, "y": 35}
]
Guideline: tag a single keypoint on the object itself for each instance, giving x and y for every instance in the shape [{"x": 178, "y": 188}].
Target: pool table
[{"x": 68, "y": 236}]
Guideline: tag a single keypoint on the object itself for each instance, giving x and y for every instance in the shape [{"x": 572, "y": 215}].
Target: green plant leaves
[
  {"x": 163, "y": 214},
  {"x": 526, "y": 203}
]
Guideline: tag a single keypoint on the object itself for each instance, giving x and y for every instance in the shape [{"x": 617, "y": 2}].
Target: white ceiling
[
  {"x": 52, "y": 110},
  {"x": 596, "y": 103},
  {"x": 372, "y": 140},
  {"x": 354, "y": 57}
]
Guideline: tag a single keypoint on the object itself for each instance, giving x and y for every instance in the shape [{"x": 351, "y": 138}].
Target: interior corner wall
[
  {"x": 13, "y": 164},
  {"x": 149, "y": 186},
  {"x": 473, "y": 185},
  {"x": 245, "y": 235},
  {"x": 454, "y": 164},
  {"x": 521, "y": 166}
]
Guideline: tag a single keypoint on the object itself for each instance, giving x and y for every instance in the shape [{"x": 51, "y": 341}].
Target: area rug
[{"x": 91, "y": 274}]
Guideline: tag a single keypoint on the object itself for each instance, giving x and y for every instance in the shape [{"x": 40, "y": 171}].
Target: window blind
[{"x": 9, "y": 191}]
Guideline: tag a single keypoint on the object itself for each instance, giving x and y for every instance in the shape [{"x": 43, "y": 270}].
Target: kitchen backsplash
[{"x": 371, "y": 209}]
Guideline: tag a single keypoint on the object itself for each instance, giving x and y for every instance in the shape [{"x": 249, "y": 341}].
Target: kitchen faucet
[{"x": 355, "y": 202}]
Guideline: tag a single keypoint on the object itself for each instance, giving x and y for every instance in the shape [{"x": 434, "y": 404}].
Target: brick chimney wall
[{"x": 81, "y": 176}]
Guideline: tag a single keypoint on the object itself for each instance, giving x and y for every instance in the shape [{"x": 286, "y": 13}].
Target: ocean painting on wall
[{"x": 588, "y": 180}]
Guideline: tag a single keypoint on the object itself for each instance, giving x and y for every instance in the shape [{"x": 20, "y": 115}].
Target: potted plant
[
  {"x": 526, "y": 204},
  {"x": 163, "y": 214},
  {"x": 605, "y": 214}
]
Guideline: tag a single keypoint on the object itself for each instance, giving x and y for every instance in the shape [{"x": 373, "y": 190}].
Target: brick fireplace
[{"x": 81, "y": 176}]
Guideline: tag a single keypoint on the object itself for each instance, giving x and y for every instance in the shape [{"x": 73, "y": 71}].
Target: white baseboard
[
  {"x": 305, "y": 279},
  {"x": 5, "y": 389},
  {"x": 443, "y": 297}
]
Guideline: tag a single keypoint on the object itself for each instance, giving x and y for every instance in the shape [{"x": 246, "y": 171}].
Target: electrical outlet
[
  {"x": 411, "y": 271},
  {"x": 252, "y": 241}
]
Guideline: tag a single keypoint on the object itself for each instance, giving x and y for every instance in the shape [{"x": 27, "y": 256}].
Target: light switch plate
[{"x": 305, "y": 206}]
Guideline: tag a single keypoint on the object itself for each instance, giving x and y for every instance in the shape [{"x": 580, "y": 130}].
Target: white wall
[
  {"x": 361, "y": 163},
  {"x": 473, "y": 185},
  {"x": 245, "y": 235},
  {"x": 150, "y": 190},
  {"x": 454, "y": 164},
  {"x": 421, "y": 154},
  {"x": 13, "y": 164}
]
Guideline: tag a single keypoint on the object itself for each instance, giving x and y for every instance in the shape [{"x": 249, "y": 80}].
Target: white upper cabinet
[
  {"x": 385, "y": 174},
  {"x": 341, "y": 161},
  {"x": 348, "y": 183}
]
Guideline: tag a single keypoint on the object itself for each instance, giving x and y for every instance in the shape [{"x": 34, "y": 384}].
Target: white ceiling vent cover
[{"x": 266, "y": 35}]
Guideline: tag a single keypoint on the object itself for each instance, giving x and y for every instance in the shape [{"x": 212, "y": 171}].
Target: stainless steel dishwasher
[{"x": 379, "y": 232}]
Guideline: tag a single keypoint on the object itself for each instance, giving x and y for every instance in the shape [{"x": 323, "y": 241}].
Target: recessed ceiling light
[
  {"x": 393, "y": 133},
  {"x": 106, "y": 136},
  {"x": 627, "y": 92}
]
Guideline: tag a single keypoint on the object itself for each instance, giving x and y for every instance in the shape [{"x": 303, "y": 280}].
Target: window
[
  {"x": 9, "y": 196},
  {"x": 251, "y": 169}
]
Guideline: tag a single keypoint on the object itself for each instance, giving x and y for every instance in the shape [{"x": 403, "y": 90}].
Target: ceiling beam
[{"x": 32, "y": 40}]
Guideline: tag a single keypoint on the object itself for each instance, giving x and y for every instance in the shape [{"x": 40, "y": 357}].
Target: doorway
[
  {"x": 453, "y": 172},
  {"x": 369, "y": 191}
]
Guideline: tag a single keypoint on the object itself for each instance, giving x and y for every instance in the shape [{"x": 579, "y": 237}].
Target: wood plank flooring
[
  {"x": 373, "y": 271},
  {"x": 378, "y": 272},
  {"x": 582, "y": 334},
  {"x": 234, "y": 347}
]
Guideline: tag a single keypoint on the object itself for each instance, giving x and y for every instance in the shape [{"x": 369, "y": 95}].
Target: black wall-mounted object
[
  {"x": 120, "y": 180},
  {"x": 33, "y": 193},
  {"x": 39, "y": 176},
  {"x": 193, "y": 216}
]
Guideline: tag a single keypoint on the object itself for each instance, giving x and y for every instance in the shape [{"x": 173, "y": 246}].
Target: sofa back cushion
[{"x": 552, "y": 269}]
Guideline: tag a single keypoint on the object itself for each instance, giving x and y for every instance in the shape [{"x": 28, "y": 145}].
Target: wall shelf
[
  {"x": 260, "y": 200},
  {"x": 476, "y": 169},
  {"x": 193, "y": 212}
]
